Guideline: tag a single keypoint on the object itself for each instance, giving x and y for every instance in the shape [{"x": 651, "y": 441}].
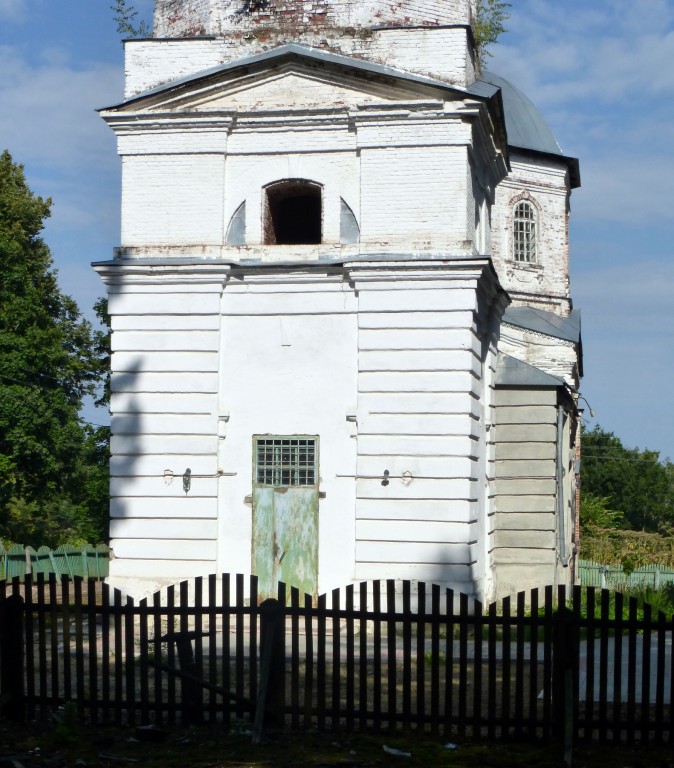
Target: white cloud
[
  {"x": 48, "y": 114},
  {"x": 560, "y": 52},
  {"x": 13, "y": 10}
]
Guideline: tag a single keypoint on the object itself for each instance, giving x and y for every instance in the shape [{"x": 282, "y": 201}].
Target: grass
[{"x": 209, "y": 748}]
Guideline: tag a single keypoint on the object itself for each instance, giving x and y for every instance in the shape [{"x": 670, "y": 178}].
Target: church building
[{"x": 344, "y": 346}]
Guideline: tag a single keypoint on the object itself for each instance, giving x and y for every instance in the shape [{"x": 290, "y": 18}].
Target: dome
[{"x": 524, "y": 123}]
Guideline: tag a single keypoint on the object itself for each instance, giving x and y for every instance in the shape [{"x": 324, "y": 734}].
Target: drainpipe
[{"x": 561, "y": 418}]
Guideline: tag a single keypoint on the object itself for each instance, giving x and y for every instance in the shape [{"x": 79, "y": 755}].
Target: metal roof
[
  {"x": 511, "y": 372},
  {"x": 295, "y": 50},
  {"x": 525, "y": 124},
  {"x": 542, "y": 321}
]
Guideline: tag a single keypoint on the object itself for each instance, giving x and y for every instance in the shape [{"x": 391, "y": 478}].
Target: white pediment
[
  {"x": 286, "y": 84},
  {"x": 299, "y": 90}
]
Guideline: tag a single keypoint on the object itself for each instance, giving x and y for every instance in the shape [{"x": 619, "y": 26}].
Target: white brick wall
[
  {"x": 424, "y": 37},
  {"x": 545, "y": 184},
  {"x": 182, "y": 18},
  {"x": 169, "y": 199}
]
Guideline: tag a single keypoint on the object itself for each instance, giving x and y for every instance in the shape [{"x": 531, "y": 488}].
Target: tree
[
  {"x": 125, "y": 16},
  {"x": 595, "y": 511},
  {"x": 627, "y": 480},
  {"x": 48, "y": 364},
  {"x": 488, "y": 24}
]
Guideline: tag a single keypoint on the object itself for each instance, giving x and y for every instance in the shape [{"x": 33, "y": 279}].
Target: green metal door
[{"x": 285, "y": 513}]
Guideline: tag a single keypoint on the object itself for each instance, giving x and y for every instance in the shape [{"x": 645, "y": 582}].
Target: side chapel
[{"x": 344, "y": 346}]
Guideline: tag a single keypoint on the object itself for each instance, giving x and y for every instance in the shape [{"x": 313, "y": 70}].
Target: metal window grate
[
  {"x": 286, "y": 461},
  {"x": 524, "y": 233}
]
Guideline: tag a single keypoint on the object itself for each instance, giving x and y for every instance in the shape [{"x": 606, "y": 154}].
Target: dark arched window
[
  {"x": 293, "y": 213},
  {"x": 524, "y": 232}
]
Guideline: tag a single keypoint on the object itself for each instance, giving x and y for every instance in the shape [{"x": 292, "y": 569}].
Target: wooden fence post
[
  {"x": 270, "y": 705},
  {"x": 563, "y": 686},
  {"x": 12, "y": 658}
]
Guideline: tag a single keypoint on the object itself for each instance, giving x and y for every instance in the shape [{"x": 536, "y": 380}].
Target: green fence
[
  {"x": 614, "y": 577},
  {"x": 87, "y": 561}
]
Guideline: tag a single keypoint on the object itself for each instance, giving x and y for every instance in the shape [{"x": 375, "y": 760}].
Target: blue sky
[{"x": 601, "y": 73}]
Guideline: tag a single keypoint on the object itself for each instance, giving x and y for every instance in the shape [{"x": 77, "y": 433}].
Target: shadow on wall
[{"x": 126, "y": 452}]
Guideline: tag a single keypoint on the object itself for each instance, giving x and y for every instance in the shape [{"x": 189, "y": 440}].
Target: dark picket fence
[{"x": 380, "y": 656}]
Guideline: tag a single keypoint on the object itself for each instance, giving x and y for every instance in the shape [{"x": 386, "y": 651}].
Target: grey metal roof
[
  {"x": 511, "y": 372},
  {"x": 295, "y": 50},
  {"x": 541, "y": 321},
  {"x": 525, "y": 124}
]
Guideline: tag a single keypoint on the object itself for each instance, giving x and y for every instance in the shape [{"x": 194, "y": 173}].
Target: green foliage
[
  {"x": 125, "y": 17},
  {"x": 102, "y": 350},
  {"x": 488, "y": 24},
  {"x": 629, "y": 481},
  {"x": 52, "y": 470},
  {"x": 612, "y": 546},
  {"x": 596, "y": 511}
]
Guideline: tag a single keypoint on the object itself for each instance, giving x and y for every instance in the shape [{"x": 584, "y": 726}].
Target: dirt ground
[{"x": 71, "y": 745}]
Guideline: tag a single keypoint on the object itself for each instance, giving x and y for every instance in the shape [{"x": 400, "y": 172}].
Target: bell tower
[{"x": 420, "y": 36}]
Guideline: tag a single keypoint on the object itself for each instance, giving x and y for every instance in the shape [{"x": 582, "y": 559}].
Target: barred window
[
  {"x": 524, "y": 233},
  {"x": 285, "y": 461}
]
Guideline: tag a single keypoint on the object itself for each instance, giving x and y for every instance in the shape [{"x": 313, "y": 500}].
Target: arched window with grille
[{"x": 524, "y": 233}]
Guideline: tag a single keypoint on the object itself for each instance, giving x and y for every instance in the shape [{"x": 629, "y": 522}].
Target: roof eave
[{"x": 291, "y": 51}]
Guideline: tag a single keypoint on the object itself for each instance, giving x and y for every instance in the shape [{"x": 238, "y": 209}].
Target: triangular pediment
[{"x": 290, "y": 77}]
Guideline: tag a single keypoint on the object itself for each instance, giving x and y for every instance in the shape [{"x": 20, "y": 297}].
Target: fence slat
[
  {"x": 548, "y": 605},
  {"x": 376, "y": 657},
  {"x": 66, "y": 632},
  {"x": 79, "y": 645},
  {"x": 420, "y": 713},
  {"x": 519, "y": 668},
  {"x": 464, "y": 618},
  {"x": 226, "y": 618},
  {"x": 407, "y": 657},
  {"x": 533, "y": 665},
  {"x": 477, "y": 670},
  {"x": 363, "y": 657},
  {"x": 492, "y": 670},
  {"x": 435, "y": 680},
  {"x": 295, "y": 658},
  {"x": 29, "y": 654},
  {"x": 336, "y": 659},
  {"x": 646, "y": 673},
  {"x": 130, "y": 661},
  {"x": 309, "y": 663},
  {"x": 391, "y": 653},
  {"x": 449, "y": 662},
  {"x": 105, "y": 652},
  {"x": 506, "y": 668},
  {"x": 617, "y": 666},
  {"x": 92, "y": 651},
  {"x": 350, "y": 712},
  {"x": 321, "y": 663}
]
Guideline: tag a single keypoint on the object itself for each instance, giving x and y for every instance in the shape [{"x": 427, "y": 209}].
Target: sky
[{"x": 602, "y": 74}]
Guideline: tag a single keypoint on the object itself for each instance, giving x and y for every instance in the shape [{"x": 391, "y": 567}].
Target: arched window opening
[
  {"x": 236, "y": 231},
  {"x": 349, "y": 231},
  {"x": 293, "y": 213},
  {"x": 524, "y": 232}
]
